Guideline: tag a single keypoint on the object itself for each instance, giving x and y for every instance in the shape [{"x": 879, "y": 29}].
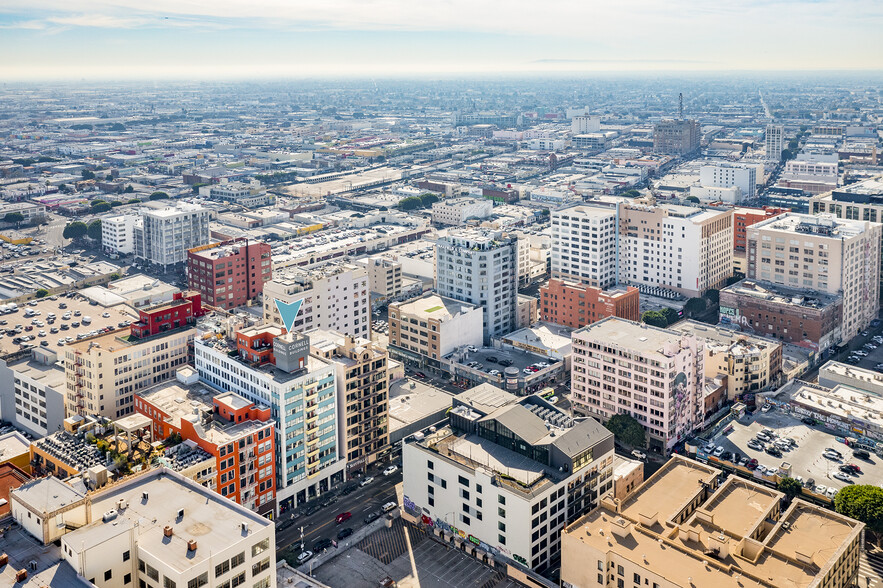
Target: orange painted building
[
  {"x": 255, "y": 344},
  {"x": 237, "y": 432},
  {"x": 576, "y": 305},
  {"x": 745, "y": 217}
]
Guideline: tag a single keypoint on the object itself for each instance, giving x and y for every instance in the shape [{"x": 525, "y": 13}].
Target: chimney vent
[{"x": 167, "y": 531}]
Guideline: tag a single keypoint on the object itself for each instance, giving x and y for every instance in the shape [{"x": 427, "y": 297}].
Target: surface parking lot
[{"x": 806, "y": 458}]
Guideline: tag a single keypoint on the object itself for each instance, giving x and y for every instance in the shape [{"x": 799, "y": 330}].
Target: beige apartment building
[
  {"x": 751, "y": 364},
  {"x": 362, "y": 391},
  {"x": 821, "y": 253},
  {"x": 104, "y": 372},
  {"x": 684, "y": 528}
]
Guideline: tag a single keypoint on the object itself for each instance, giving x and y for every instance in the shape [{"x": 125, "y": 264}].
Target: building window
[
  {"x": 108, "y": 575},
  {"x": 126, "y": 556},
  {"x": 463, "y": 481},
  {"x": 464, "y": 519},
  {"x": 127, "y": 579},
  {"x": 167, "y": 583}
]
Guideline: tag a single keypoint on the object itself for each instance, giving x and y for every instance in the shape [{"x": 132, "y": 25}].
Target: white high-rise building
[
  {"x": 480, "y": 266},
  {"x": 167, "y": 233},
  {"x": 676, "y": 248},
  {"x": 729, "y": 175},
  {"x": 585, "y": 245},
  {"x": 585, "y": 123},
  {"x": 118, "y": 233},
  {"x": 335, "y": 297},
  {"x": 774, "y": 141},
  {"x": 821, "y": 253}
]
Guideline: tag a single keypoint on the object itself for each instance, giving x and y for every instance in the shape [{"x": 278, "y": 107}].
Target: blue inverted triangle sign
[{"x": 288, "y": 311}]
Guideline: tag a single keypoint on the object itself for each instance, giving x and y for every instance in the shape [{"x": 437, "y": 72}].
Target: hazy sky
[{"x": 248, "y": 38}]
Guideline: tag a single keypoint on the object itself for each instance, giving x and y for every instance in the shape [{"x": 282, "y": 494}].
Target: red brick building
[
  {"x": 229, "y": 273},
  {"x": 182, "y": 310},
  {"x": 576, "y": 305},
  {"x": 745, "y": 217},
  {"x": 239, "y": 434}
]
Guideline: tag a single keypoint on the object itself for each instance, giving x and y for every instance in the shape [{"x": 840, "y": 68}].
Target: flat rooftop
[
  {"x": 822, "y": 225},
  {"x": 214, "y": 521},
  {"x": 636, "y": 337},
  {"x": 734, "y": 535},
  {"x": 435, "y": 307},
  {"x": 194, "y": 403},
  {"x": 13, "y": 444},
  {"x": 47, "y": 306},
  {"x": 721, "y": 339},
  {"x": 555, "y": 338},
  {"x": 671, "y": 487},
  {"x": 780, "y": 294},
  {"x": 411, "y": 401}
]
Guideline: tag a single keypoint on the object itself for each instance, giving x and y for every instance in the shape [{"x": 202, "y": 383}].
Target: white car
[
  {"x": 304, "y": 557},
  {"x": 718, "y": 451},
  {"x": 639, "y": 454},
  {"x": 105, "y": 314},
  {"x": 390, "y": 470},
  {"x": 366, "y": 481}
]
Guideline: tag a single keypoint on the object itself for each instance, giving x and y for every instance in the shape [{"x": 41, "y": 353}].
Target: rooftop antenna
[{"x": 680, "y": 106}]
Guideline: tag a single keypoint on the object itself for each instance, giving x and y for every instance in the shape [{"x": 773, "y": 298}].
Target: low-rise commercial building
[
  {"x": 507, "y": 475},
  {"x": 456, "y": 211},
  {"x": 655, "y": 375},
  {"x": 812, "y": 320},
  {"x": 685, "y": 528},
  {"x": 156, "y": 529},
  {"x": 423, "y": 330},
  {"x": 576, "y": 305},
  {"x": 750, "y": 363}
]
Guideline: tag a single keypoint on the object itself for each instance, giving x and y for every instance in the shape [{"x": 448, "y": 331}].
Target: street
[{"x": 321, "y": 524}]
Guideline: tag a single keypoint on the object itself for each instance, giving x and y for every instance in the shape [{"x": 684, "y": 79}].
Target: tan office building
[
  {"x": 362, "y": 389},
  {"x": 684, "y": 528},
  {"x": 822, "y": 253},
  {"x": 751, "y": 364},
  {"x": 104, "y": 372}
]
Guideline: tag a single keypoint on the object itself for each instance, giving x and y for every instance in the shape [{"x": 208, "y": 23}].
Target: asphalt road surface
[{"x": 321, "y": 524}]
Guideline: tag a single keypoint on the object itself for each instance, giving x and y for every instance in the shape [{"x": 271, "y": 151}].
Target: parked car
[
  {"x": 491, "y": 359},
  {"x": 388, "y": 507},
  {"x": 834, "y": 451},
  {"x": 505, "y": 362},
  {"x": 831, "y": 456},
  {"x": 304, "y": 557},
  {"x": 321, "y": 544},
  {"x": 639, "y": 454},
  {"x": 843, "y": 477},
  {"x": 372, "y": 516},
  {"x": 420, "y": 375},
  {"x": 861, "y": 454},
  {"x": 344, "y": 533},
  {"x": 718, "y": 451}
]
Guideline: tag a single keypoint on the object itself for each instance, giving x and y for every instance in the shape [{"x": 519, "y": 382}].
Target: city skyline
[{"x": 229, "y": 39}]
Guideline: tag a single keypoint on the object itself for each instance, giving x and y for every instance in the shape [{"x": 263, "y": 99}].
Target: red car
[
  {"x": 752, "y": 464},
  {"x": 420, "y": 375},
  {"x": 342, "y": 517}
]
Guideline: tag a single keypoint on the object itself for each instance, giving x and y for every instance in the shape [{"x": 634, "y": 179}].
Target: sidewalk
[{"x": 319, "y": 560}]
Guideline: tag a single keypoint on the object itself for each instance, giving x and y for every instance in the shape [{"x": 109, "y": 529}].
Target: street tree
[{"x": 627, "y": 430}]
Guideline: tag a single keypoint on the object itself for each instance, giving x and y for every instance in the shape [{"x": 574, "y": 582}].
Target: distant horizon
[
  {"x": 703, "y": 75},
  {"x": 239, "y": 39}
]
